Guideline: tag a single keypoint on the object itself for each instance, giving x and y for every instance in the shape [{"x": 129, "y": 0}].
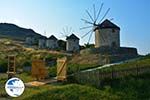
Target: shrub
[
  {"x": 27, "y": 63},
  {"x": 3, "y": 66},
  {"x": 52, "y": 71}
]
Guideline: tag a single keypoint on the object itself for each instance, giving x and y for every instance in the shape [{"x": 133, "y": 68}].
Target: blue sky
[{"x": 52, "y": 16}]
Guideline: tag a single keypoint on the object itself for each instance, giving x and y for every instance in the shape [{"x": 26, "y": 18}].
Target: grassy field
[
  {"x": 131, "y": 87},
  {"x": 141, "y": 62},
  {"x": 65, "y": 92}
]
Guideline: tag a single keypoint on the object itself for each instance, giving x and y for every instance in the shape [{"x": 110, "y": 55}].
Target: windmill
[
  {"x": 72, "y": 41},
  {"x": 94, "y": 23}
]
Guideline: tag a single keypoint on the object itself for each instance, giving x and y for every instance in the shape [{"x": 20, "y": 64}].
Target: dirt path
[{"x": 40, "y": 83}]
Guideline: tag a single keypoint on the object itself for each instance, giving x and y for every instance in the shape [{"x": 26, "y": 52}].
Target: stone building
[
  {"x": 72, "y": 44},
  {"x": 52, "y": 42},
  {"x": 42, "y": 42},
  {"x": 107, "y": 34},
  {"x": 107, "y": 44},
  {"x": 30, "y": 40}
]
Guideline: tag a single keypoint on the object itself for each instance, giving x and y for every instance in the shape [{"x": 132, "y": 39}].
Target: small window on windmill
[{"x": 113, "y": 30}]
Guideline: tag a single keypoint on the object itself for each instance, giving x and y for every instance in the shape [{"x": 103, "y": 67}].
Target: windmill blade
[
  {"x": 70, "y": 29},
  {"x": 64, "y": 31},
  {"x": 90, "y": 37},
  {"x": 90, "y": 15},
  {"x": 99, "y": 12},
  {"x": 62, "y": 34},
  {"x": 111, "y": 19},
  {"x": 86, "y": 33},
  {"x": 67, "y": 30},
  {"x": 104, "y": 15},
  {"x": 85, "y": 27},
  {"x": 87, "y": 21},
  {"x": 94, "y": 12}
]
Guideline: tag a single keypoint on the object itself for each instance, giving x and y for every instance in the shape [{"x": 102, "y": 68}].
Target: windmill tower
[
  {"x": 52, "y": 42},
  {"x": 42, "y": 42},
  {"x": 72, "y": 41},
  {"x": 107, "y": 34}
]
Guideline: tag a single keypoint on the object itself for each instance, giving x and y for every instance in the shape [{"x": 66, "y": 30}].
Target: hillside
[
  {"x": 13, "y": 31},
  {"x": 129, "y": 87}
]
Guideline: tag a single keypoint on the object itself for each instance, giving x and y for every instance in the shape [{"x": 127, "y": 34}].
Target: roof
[
  {"x": 72, "y": 36},
  {"x": 43, "y": 37},
  {"x": 52, "y": 37},
  {"x": 108, "y": 24}
]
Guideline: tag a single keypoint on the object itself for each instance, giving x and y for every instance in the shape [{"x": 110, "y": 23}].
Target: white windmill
[{"x": 107, "y": 34}]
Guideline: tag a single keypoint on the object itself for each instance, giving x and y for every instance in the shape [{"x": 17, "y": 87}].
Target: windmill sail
[{"x": 93, "y": 21}]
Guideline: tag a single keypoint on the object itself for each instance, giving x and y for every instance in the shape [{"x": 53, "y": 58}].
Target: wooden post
[{"x": 11, "y": 66}]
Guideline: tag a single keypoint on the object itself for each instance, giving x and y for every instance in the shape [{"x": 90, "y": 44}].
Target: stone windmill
[
  {"x": 72, "y": 41},
  {"x": 42, "y": 42},
  {"x": 107, "y": 34},
  {"x": 52, "y": 42}
]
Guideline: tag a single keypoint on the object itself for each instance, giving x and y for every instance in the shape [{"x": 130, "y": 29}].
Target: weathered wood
[
  {"x": 11, "y": 66},
  {"x": 61, "y": 69},
  {"x": 39, "y": 70}
]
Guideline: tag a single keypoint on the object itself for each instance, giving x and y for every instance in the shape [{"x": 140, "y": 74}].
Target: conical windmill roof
[
  {"x": 72, "y": 36},
  {"x": 108, "y": 24},
  {"x": 52, "y": 37}
]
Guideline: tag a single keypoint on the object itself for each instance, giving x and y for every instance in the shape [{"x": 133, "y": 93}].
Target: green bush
[
  {"x": 27, "y": 63},
  {"x": 52, "y": 71},
  {"x": 3, "y": 66}
]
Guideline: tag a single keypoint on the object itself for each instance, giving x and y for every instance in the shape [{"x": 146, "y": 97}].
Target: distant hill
[{"x": 13, "y": 31}]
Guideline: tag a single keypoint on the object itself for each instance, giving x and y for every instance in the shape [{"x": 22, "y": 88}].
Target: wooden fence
[{"x": 96, "y": 77}]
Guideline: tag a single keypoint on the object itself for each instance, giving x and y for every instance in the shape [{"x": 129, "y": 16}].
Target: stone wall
[
  {"x": 51, "y": 44},
  {"x": 115, "y": 54},
  {"x": 42, "y": 43},
  {"x": 107, "y": 37},
  {"x": 72, "y": 45}
]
